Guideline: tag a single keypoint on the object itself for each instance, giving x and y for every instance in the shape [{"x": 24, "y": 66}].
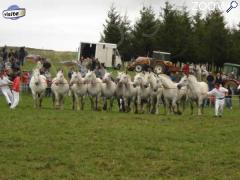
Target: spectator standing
[
  {"x": 11, "y": 56},
  {"x": 70, "y": 72},
  {"x": 210, "y": 81},
  {"x": 186, "y": 69},
  {"x": 219, "y": 79},
  {"x": 4, "y": 54},
  {"x": 228, "y": 100},
  {"x": 22, "y": 54}
]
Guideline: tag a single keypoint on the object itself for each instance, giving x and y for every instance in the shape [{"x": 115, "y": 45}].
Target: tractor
[
  {"x": 233, "y": 73},
  {"x": 159, "y": 63}
]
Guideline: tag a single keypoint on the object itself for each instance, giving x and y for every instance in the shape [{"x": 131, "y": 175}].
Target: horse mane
[
  {"x": 167, "y": 81},
  {"x": 193, "y": 78}
]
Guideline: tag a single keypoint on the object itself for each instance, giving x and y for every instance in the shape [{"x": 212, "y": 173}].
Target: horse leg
[
  {"x": 104, "y": 103},
  {"x": 34, "y": 100},
  {"x": 73, "y": 101},
  {"x": 167, "y": 107},
  {"x": 191, "y": 105},
  {"x": 78, "y": 102},
  {"x": 41, "y": 99},
  {"x": 111, "y": 103},
  {"x": 129, "y": 104},
  {"x": 62, "y": 102},
  {"x": 200, "y": 107},
  {"x": 82, "y": 102},
  {"x": 157, "y": 105},
  {"x": 96, "y": 102},
  {"x": 92, "y": 103},
  {"x": 119, "y": 104}
]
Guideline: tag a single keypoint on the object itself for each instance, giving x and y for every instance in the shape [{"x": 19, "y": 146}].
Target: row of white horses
[{"x": 145, "y": 89}]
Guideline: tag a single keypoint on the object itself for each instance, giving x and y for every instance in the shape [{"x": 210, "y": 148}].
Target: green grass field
[{"x": 53, "y": 144}]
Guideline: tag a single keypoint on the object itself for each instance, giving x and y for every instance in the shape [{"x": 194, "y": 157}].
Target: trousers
[
  {"x": 8, "y": 95},
  {"x": 15, "y": 99},
  {"x": 219, "y": 105}
]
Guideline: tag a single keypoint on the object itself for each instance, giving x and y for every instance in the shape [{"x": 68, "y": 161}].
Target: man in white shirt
[
  {"x": 4, "y": 87},
  {"x": 219, "y": 93}
]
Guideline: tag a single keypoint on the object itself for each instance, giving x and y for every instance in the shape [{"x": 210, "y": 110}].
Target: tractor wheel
[
  {"x": 138, "y": 68},
  {"x": 159, "y": 69}
]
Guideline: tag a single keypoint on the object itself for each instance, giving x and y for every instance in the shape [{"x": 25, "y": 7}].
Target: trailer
[{"x": 106, "y": 53}]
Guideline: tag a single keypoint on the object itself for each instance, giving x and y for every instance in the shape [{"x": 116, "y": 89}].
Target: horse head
[
  {"x": 107, "y": 77},
  {"x": 90, "y": 77},
  {"x": 36, "y": 76},
  {"x": 60, "y": 77}
]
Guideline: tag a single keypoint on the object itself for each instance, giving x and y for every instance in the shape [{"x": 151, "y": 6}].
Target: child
[
  {"x": 4, "y": 87},
  {"x": 219, "y": 93},
  {"x": 15, "y": 91}
]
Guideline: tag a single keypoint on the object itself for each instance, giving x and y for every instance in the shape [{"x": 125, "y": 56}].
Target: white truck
[{"x": 106, "y": 53}]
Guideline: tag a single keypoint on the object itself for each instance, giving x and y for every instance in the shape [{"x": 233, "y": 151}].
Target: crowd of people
[
  {"x": 11, "y": 62},
  {"x": 89, "y": 64}
]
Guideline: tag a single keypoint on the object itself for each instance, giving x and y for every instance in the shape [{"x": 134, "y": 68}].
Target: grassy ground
[{"x": 52, "y": 144}]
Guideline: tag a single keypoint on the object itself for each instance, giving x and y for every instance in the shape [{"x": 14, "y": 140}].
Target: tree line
[{"x": 194, "y": 38}]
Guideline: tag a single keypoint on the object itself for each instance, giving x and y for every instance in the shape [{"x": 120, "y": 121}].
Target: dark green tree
[
  {"x": 144, "y": 33},
  {"x": 216, "y": 39},
  {"x": 111, "y": 32}
]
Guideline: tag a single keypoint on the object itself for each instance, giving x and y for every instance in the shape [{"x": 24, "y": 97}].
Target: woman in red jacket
[{"x": 15, "y": 91}]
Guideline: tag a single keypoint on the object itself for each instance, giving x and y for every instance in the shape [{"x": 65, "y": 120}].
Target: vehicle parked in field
[
  {"x": 160, "y": 63},
  {"x": 106, "y": 53},
  {"x": 233, "y": 73}
]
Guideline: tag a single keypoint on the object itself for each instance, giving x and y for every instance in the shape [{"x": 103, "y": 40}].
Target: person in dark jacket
[
  {"x": 228, "y": 99},
  {"x": 210, "y": 81},
  {"x": 219, "y": 79},
  {"x": 22, "y": 54},
  {"x": 4, "y": 54}
]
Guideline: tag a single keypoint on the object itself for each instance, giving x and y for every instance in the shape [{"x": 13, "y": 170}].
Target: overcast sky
[{"x": 62, "y": 24}]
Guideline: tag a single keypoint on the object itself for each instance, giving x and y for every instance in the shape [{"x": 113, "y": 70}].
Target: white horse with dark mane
[
  {"x": 108, "y": 90},
  {"x": 94, "y": 88},
  {"x": 78, "y": 90},
  {"x": 197, "y": 91},
  {"x": 60, "y": 89},
  {"x": 38, "y": 85},
  {"x": 143, "y": 92}
]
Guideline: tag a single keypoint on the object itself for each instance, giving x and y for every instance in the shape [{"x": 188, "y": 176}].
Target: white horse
[
  {"x": 156, "y": 91},
  {"x": 60, "y": 89},
  {"x": 198, "y": 72},
  {"x": 38, "y": 85},
  {"x": 120, "y": 90},
  {"x": 94, "y": 88},
  {"x": 143, "y": 91},
  {"x": 172, "y": 95},
  {"x": 108, "y": 90},
  {"x": 197, "y": 91},
  {"x": 78, "y": 90},
  {"x": 129, "y": 91}
]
